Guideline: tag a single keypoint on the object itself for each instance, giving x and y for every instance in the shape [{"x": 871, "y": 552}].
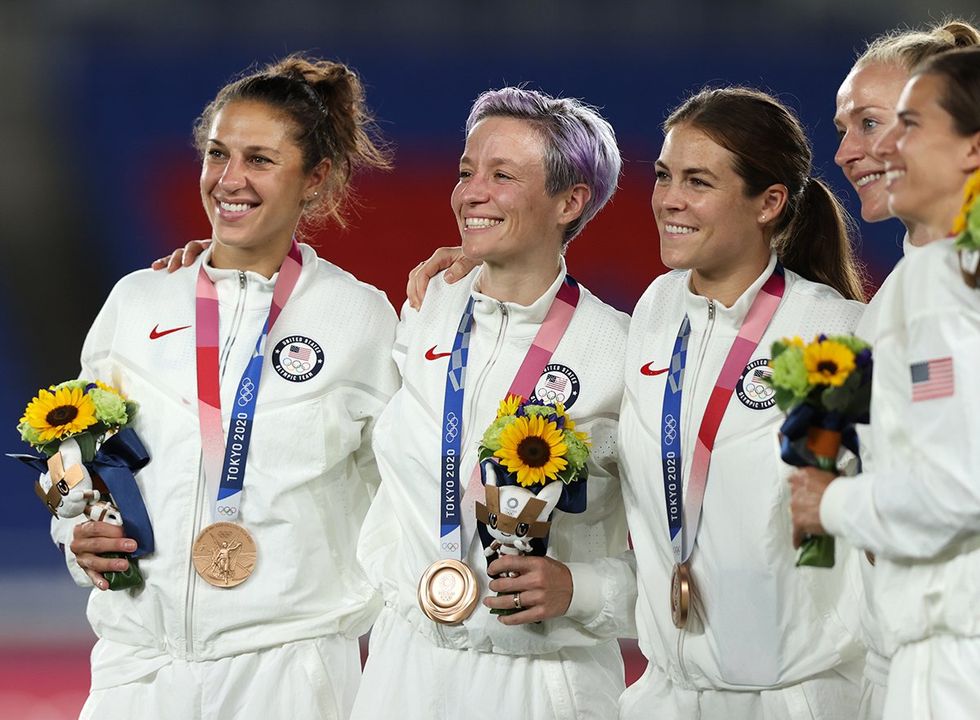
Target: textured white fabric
[
  {"x": 829, "y": 695},
  {"x": 935, "y": 679},
  {"x": 875, "y": 676},
  {"x": 408, "y": 678},
  {"x": 304, "y": 680},
  {"x": 400, "y": 535},
  {"x": 918, "y": 508},
  {"x": 766, "y": 623},
  {"x": 310, "y": 472}
]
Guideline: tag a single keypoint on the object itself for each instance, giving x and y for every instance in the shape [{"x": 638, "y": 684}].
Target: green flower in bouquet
[{"x": 79, "y": 409}]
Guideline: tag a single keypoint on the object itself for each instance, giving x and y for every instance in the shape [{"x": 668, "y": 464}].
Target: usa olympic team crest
[
  {"x": 557, "y": 384},
  {"x": 752, "y": 388},
  {"x": 297, "y": 358}
]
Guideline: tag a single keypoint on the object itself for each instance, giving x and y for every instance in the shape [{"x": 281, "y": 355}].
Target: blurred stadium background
[{"x": 100, "y": 176}]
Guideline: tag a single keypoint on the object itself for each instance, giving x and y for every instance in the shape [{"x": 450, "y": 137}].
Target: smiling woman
[
  {"x": 731, "y": 628},
  {"x": 253, "y": 599},
  {"x": 534, "y": 170}
]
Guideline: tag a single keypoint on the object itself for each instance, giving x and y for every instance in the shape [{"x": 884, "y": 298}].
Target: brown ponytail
[
  {"x": 815, "y": 241},
  {"x": 812, "y": 235},
  {"x": 325, "y": 102}
]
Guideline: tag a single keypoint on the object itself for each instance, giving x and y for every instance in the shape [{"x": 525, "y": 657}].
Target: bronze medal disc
[
  {"x": 448, "y": 592},
  {"x": 680, "y": 594},
  {"x": 224, "y": 554}
]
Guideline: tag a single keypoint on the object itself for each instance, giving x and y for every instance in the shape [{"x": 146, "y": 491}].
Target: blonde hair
[{"x": 908, "y": 48}]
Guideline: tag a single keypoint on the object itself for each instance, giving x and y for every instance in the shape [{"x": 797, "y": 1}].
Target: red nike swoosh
[
  {"x": 156, "y": 333},
  {"x": 431, "y": 354},
  {"x": 647, "y": 370}
]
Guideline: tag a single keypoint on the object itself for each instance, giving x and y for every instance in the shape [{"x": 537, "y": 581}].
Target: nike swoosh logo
[
  {"x": 648, "y": 370},
  {"x": 431, "y": 354},
  {"x": 157, "y": 333}
]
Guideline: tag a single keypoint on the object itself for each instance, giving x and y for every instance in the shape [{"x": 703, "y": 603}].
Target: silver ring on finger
[{"x": 517, "y": 601}]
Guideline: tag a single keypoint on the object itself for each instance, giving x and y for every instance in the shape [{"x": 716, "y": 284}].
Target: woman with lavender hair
[{"x": 534, "y": 171}]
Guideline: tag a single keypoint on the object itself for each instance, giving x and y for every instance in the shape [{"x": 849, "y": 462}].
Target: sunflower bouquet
[
  {"x": 824, "y": 388},
  {"x": 537, "y": 442},
  {"x": 966, "y": 229},
  {"x": 532, "y": 462},
  {"x": 87, "y": 459}
]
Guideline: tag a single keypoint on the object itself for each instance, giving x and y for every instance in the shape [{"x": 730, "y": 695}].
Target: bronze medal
[
  {"x": 448, "y": 592},
  {"x": 224, "y": 554},
  {"x": 970, "y": 267},
  {"x": 680, "y": 594}
]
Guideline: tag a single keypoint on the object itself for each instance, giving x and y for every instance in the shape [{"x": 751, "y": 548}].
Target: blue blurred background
[{"x": 100, "y": 176}]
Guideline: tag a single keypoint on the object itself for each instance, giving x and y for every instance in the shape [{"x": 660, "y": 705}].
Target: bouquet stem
[{"x": 129, "y": 578}]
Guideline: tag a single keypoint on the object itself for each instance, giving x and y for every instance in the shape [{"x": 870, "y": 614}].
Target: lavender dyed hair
[{"x": 580, "y": 146}]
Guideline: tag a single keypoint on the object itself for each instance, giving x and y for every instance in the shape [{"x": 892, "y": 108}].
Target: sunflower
[
  {"x": 60, "y": 414},
  {"x": 971, "y": 192},
  {"x": 828, "y": 362},
  {"x": 509, "y": 406},
  {"x": 534, "y": 449}
]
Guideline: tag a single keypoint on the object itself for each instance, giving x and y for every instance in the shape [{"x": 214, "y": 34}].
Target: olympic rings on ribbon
[
  {"x": 670, "y": 429},
  {"x": 452, "y": 427},
  {"x": 246, "y": 392}
]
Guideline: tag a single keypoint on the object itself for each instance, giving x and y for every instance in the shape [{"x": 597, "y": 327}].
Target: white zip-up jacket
[
  {"x": 400, "y": 536},
  {"x": 918, "y": 509},
  {"x": 768, "y": 623},
  {"x": 310, "y": 471}
]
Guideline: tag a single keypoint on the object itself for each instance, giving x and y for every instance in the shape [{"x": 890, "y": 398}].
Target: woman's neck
[
  {"x": 727, "y": 286},
  {"x": 264, "y": 260},
  {"x": 521, "y": 285}
]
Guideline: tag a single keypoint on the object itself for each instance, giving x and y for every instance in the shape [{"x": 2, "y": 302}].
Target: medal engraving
[
  {"x": 224, "y": 554},
  {"x": 680, "y": 595},
  {"x": 448, "y": 592}
]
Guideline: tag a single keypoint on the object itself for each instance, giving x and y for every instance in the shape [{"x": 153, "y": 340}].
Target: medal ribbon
[
  {"x": 683, "y": 519},
  {"x": 543, "y": 346},
  {"x": 224, "y": 464}
]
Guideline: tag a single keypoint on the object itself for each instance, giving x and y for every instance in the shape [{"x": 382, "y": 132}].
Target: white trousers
[
  {"x": 408, "y": 678},
  {"x": 935, "y": 679},
  {"x": 306, "y": 680},
  {"x": 829, "y": 696}
]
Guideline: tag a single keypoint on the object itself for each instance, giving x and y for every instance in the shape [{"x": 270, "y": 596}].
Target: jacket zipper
[
  {"x": 196, "y": 525},
  {"x": 690, "y": 382}
]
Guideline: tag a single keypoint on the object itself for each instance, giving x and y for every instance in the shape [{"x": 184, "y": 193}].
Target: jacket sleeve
[
  {"x": 921, "y": 500},
  {"x": 604, "y": 585},
  {"x": 604, "y": 595}
]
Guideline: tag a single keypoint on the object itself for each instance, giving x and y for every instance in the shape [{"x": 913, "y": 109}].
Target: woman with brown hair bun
[
  {"x": 253, "y": 599},
  {"x": 918, "y": 508},
  {"x": 865, "y": 109}
]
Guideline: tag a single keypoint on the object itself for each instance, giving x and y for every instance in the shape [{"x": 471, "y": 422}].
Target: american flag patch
[
  {"x": 556, "y": 382},
  {"x": 932, "y": 379},
  {"x": 300, "y": 353}
]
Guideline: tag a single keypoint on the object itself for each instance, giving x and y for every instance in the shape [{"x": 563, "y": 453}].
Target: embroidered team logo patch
[
  {"x": 557, "y": 384},
  {"x": 752, "y": 388},
  {"x": 297, "y": 358}
]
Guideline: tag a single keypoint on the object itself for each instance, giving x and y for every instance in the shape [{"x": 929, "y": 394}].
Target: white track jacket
[
  {"x": 768, "y": 623},
  {"x": 310, "y": 470},
  {"x": 918, "y": 509}
]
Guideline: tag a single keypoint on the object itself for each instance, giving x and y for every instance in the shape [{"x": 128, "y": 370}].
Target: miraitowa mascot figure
[{"x": 516, "y": 520}]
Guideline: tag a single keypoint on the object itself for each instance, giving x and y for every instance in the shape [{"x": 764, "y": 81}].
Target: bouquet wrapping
[
  {"x": 88, "y": 457},
  {"x": 824, "y": 388}
]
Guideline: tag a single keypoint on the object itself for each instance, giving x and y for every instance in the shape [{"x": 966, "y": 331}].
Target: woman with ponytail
[
  {"x": 253, "y": 599},
  {"x": 731, "y": 628},
  {"x": 918, "y": 507},
  {"x": 865, "y": 109}
]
